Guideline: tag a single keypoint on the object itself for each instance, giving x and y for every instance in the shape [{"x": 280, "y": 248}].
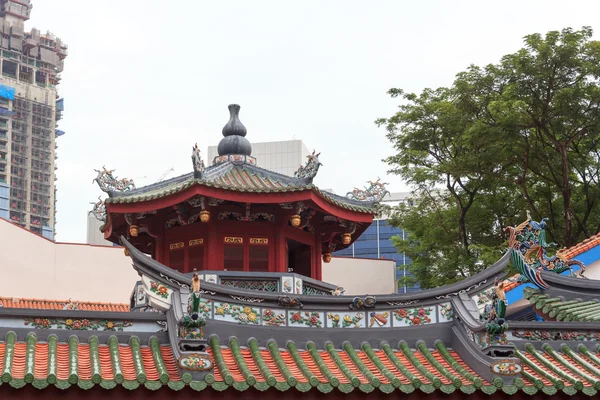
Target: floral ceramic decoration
[
  {"x": 346, "y": 320},
  {"x": 414, "y": 316},
  {"x": 379, "y": 319},
  {"x": 77, "y": 324},
  {"x": 506, "y": 367},
  {"x": 205, "y": 308},
  {"x": 311, "y": 319},
  {"x": 196, "y": 362},
  {"x": 446, "y": 312},
  {"x": 210, "y": 278},
  {"x": 236, "y": 313},
  {"x": 273, "y": 317},
  {"x": 551, "y": 335},
  {"x": 159, "y": 289}
]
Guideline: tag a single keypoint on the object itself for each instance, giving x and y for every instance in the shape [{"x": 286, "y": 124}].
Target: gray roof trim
[
  {"x": 63, "y": 335},
  {"x": 570, "y": 288},
  {"x": 129, "y": 316},
  {"x": 170, "y": 277}
]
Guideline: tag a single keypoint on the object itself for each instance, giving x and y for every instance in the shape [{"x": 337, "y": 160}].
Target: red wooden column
[
  {"x": 280, "y": 249},
  {"x": 212, "y": 247},
  {"x": 317, "y": 264}
]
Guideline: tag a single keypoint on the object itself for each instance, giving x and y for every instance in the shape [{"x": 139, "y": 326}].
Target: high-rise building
[
  {"x": 375, "y": 242},
  {"x": 283, "y": 157},
  {"x": 29, "y": 111}
]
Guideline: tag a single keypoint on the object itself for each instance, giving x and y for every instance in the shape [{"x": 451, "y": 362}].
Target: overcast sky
[{"x": 146, "y": 79}]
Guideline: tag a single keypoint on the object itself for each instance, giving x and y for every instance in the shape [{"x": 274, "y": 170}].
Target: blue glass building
[{"x": 376, "y": 242}]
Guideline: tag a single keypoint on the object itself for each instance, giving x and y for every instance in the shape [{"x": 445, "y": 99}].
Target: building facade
[
  {"x": 376, "y": 242},
  {"x": 30, "y": 109},
  {"x": 283, "y": 157}
]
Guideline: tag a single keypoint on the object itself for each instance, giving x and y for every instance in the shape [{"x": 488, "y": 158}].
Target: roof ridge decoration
[
  {"x": 528, "y": 246},
  {"x": 99, "y": 210},
  {"x": 234, "y": 146},
  {"x": 375, "y": 192},
  {"x": 108, "y": 182},
  {"x": 496, "y": 312},
  {"x": 309, "y": 170},
  {"x": 197, "y": 162}
]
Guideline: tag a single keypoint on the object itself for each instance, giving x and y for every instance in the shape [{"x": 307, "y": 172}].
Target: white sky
[{"x": 146, "y": 79}]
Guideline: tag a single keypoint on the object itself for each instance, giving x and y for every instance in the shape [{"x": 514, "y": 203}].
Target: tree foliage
[{"x": 522, "y": 134}]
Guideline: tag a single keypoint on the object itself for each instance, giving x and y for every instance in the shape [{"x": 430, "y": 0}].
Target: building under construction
[{"x": 30, "y": 109}]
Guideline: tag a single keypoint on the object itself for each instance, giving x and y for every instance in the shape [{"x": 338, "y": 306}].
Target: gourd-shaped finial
[{"x": 234, "y": 132}]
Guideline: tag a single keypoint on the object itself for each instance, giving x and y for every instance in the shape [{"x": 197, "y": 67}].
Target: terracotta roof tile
[
  {"x": 582, "y": 247},
  {"x": 402, "y": 369},
  {"x": 11, "y": 302}
]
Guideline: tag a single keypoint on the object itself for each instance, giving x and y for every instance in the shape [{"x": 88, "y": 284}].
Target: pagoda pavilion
[{"x": 230, "y": 303}]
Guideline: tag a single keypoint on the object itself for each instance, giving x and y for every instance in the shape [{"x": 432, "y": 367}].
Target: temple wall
[
  {"x": 34, "y": 267},
  {"x": 361, "y": 276}
]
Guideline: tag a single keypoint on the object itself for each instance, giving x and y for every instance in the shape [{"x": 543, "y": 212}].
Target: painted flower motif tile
[
  {"x": 306, "y": 319},
  {"x": 446, "y": 312},
  {"x": 240, "y": 314},
  {"x": 414, "y": 316},
  {"x": 346, "y": 319},
  {"x": 210, "y": 278},
  {"x": 273, "y": 317}
]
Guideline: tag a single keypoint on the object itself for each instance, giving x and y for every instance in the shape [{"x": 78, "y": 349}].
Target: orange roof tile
[
  {"x": 44, "y": 304},
  {"x": 582, "y": 247}
]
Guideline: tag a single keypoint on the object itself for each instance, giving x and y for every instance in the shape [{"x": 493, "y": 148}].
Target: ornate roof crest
[
  {"x": 374, "y": 192},
  {"x": 99, "y": 210},
  {"x": 528, "y": 246},
  {"x": 108, "y": 182},
  {"x": 198, "y": 162},
  {"x": 310, "y": 169}
]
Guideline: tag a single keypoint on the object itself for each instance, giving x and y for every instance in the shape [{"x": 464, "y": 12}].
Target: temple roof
[
  {"x": 559, "y": 309},
  {"x": 244, "y": 177},
  {"x": 241, "y": 366},
  {"x": 44, "y": 304}
]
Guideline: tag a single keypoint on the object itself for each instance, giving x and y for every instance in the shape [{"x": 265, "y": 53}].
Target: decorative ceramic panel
[
  {"x": 210, "y": 278},
  {"x": 159, "y": 289},
  {"x": 381, "y": 319},
  {"x": 507, "y": 367},
  {"x": 307, "y": 319},
  {"x": 553, "y": 335},
  {"x": 273, "y": 317},
  {"x": 287, "y": 284},
  {"x": 483, "y": 300},
  {"x": 298, "y": 285},
  {"x": 414, "y": 316},
  {"x": 346, "y": 319},
  {"x": 236, "y": 313},
  {"x": 484, "y": 339},
  {"x": 77, "y": 324},
  {"x": 446, "y": 312}
]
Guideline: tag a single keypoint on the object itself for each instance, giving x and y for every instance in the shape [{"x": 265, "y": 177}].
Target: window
[
  {"x": 196, "y": 255},
  {"x": 259, "y": 258},
  {"x": 234, "y": 257},
  {"x": 177, "y": 256}
]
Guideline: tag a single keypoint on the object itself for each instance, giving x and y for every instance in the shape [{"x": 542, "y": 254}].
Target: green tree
[{"x": 521, "y": 134}]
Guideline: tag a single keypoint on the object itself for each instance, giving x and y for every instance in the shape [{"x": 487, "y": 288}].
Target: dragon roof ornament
[
  {"x": 108, "y": 182},
  {"x": 528, "y": 246},
  {"x": 375, "y": 192},
  {"x": 310, "y": 169},
  {"x": 197, "y": 162},
  {"x": 99, "y": 210}
]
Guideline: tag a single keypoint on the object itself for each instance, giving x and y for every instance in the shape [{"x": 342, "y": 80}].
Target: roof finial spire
[{"x": 234, "y": 142}]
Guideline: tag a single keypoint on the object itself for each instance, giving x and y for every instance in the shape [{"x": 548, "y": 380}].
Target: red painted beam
[{"x": 265, "y": 198}]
